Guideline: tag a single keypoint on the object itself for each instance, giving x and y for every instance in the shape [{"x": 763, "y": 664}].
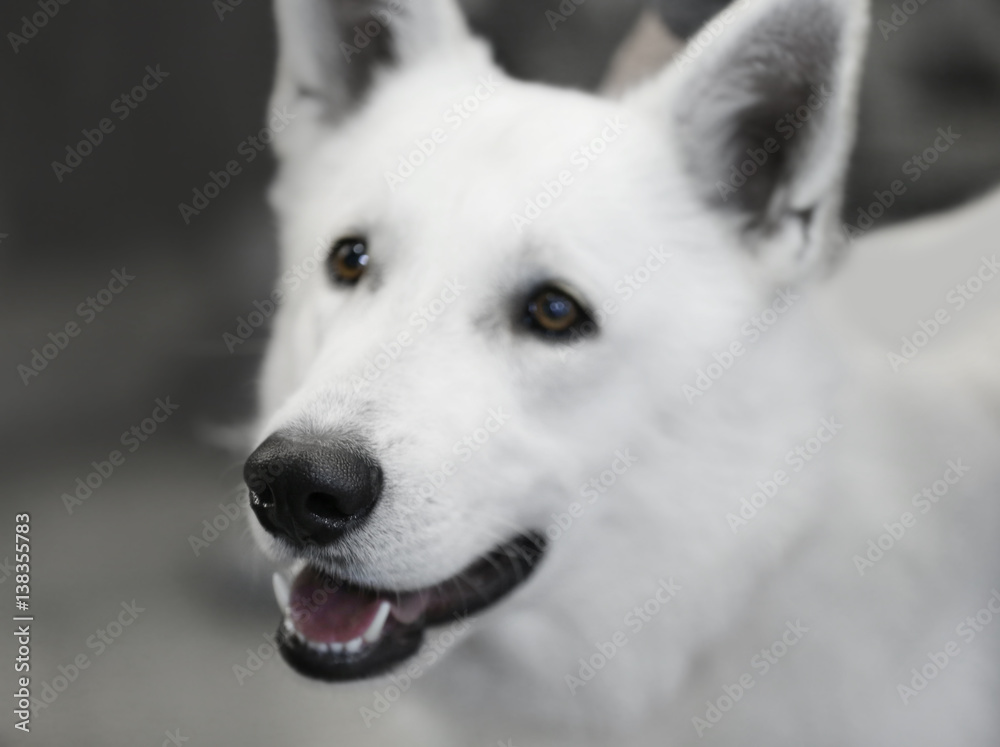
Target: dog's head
[{"x": 494, "y": 295}]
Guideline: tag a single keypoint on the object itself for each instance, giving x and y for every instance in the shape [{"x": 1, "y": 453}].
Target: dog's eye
[
  {"x": 348, "y": 260},
  {"x": 552, "y": 312}
]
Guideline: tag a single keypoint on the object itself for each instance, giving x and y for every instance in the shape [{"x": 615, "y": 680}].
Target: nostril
[
  {"x": 263, "y": 497},
  {"x": 326, "y": 507}
]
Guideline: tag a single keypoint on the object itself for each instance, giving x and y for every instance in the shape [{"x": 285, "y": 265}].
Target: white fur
[{"x": 666, "y": 516}]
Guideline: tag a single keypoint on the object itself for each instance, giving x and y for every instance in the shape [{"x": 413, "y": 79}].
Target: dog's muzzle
[{"x": 309, "y": 494}]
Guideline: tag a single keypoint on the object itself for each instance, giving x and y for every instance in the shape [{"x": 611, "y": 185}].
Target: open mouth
[{"x": 333, "y": 630}]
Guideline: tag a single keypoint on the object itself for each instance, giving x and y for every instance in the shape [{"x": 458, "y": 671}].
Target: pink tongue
[{"x": 326, "y": 612}]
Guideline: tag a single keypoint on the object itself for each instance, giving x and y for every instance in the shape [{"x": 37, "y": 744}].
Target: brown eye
[
  {"x": 554, "y": 313},
  {"x": 348, "y": 260}
]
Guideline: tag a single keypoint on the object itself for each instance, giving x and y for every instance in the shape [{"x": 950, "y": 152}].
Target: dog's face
[{"x": 494, "y": 292}]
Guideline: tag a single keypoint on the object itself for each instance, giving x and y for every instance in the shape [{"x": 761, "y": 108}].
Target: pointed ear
[
  {"x": 762, "y": 105},
  {"x": 330, "y": 50}
]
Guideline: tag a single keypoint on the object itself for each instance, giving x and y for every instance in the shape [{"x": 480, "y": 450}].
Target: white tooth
[
  {"x": 352, "y": 647},
  {"x": 289, "y": 628},
  {"x": 282, "y": 592},
  {"x": 336, "y": 648},
  {"x": 375, "y": 629}
]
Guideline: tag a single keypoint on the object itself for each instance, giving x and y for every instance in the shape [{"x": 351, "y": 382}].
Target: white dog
[{"x": 548, "y": 377}]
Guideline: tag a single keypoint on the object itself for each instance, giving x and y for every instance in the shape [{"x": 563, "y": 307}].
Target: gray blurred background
[{"x": 162, "y": 336}]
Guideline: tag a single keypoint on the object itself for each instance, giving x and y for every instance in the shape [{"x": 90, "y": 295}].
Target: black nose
[{"x": 311, "y": 493}]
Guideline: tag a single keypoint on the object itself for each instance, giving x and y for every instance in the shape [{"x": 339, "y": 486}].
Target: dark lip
[
  {"x": 481, "y": 585},
  {"x": 397, "y": 644}
]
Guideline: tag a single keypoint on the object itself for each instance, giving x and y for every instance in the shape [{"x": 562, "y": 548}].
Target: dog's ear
[
  {"x": 329, "y": 51},
  {"x": 762, "y": 105}
]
